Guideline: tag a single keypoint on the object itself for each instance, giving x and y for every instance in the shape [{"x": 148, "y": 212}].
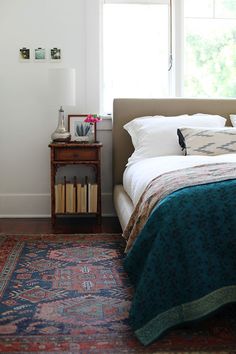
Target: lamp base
[{"x": 61, "y": 134}]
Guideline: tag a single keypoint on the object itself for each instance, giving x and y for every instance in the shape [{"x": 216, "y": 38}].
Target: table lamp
[{"x": 62, "y": 89}]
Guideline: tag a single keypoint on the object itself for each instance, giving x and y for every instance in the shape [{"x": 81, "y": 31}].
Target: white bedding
[{"x": 137, "y": 176}]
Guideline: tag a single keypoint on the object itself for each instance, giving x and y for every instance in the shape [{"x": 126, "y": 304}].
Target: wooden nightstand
[{"x": 76, "y": 197}]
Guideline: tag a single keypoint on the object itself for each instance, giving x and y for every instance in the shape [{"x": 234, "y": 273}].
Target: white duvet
[{"x": 137, "y": 176}]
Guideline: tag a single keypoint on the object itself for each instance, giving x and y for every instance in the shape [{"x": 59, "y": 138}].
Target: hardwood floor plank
[{"x": 62, "y": 225}]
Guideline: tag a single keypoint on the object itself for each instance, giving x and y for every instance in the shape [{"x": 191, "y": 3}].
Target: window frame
[{"x": 177, "y": 79}]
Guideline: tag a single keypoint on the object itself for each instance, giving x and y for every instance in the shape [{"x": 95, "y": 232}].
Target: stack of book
[{"x": 76, "y": 197}]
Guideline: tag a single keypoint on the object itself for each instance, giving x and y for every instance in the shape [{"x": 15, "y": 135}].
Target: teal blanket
[{"x": 183, "y": 263}]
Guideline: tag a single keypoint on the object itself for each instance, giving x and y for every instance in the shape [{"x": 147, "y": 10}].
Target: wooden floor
[{"x": 62, "y": 225}]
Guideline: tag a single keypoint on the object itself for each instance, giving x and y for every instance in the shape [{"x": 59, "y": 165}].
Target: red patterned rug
[{"x": 70, "y": 294}]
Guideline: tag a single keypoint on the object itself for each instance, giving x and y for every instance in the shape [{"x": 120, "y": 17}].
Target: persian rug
[{"x": 70, "y": 294}]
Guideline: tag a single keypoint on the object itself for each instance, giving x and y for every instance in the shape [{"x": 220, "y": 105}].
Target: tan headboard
[{"x": 125, "y": 110}]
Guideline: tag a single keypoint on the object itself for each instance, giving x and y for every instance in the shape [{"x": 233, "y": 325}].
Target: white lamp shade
[{"x": 62, "y": 86}]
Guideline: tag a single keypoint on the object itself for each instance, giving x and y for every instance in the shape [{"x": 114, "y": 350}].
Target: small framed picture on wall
[
  {"x": 55, "y": 54},
  {"x": 24, "y": 54},
  {"x": 39, "y": 54}
]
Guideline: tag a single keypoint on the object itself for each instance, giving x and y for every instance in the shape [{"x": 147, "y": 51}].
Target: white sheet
[{"x": 138, "y": 175}]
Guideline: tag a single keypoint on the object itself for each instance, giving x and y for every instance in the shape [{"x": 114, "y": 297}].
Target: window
[
  {"x": 135, "y": 49},
  {"x": 137, "y": 43},
  {"x": 210, "y": 48}
]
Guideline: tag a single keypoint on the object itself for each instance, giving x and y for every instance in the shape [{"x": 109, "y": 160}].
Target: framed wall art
[
  {"x": 39, "y": 54},
  {"x": 55, "y": 54},
  {"x": 81, "y": 131},
  {"x": 24, "y": 54}
]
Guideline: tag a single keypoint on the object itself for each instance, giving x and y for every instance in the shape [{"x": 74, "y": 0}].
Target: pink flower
[{"x": 92, "y": 119}]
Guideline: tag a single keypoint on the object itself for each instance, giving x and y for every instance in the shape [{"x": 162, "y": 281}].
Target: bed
[{"x": 181, "y": 260}]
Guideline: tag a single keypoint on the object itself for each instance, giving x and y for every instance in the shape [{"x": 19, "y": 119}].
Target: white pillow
[
  {"x": 133, "y": 126},
  {"x": 157, "y": 135}
]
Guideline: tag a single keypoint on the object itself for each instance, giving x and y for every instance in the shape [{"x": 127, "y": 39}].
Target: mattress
[{"x": 123, "y": 205}]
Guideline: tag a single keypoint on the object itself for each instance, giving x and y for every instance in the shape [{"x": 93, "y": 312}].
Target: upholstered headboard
[{"x": 124, "y": 110}]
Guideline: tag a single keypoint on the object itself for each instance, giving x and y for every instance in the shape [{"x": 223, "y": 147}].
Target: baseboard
[{"x": 38, "y": 205}]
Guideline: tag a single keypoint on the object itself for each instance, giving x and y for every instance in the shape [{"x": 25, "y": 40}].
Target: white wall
[{"x": 27, "y": 118}]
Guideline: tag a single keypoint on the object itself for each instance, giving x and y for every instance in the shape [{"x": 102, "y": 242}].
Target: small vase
[{"x": 91, "y": 133}]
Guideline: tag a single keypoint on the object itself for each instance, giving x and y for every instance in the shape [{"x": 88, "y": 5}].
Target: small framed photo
[
  {"x": 80, "y": 130},
  {"x": 55, "y": 54},
  {"x": 24, "y": 54},
  {"x": 39, "y": 54}
]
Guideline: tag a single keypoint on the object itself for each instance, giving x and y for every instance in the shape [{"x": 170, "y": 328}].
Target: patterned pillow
[{"x": 204, "y": 141}]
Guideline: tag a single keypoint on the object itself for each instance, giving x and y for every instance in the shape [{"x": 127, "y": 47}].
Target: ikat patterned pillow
[{"x": 204, "y": 141}]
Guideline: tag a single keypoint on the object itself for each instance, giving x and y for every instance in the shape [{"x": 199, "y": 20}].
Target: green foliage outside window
[
  {"x": 210, "y": 54},
  {"x": 213, "y": 65}
]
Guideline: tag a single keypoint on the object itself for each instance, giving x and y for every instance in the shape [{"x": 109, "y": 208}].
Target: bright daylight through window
[{"x": 135, "y": 50}]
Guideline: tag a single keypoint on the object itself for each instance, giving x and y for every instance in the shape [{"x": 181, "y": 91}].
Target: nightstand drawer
[{"x": 80, "y": 154}]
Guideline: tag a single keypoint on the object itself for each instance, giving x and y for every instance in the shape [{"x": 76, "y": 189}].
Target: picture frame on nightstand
[{"x": 81, "y": 131}]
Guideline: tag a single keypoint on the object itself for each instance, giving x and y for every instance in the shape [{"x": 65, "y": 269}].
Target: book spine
[
  {"x": 78, "y": 197},
  {"x": 89, "y": 190},
  {"x": 70, "y": 198},
  {"x": 95, "y": 198},
  {"x": 59, "y": 198},
  {"x": 62, "y": 198},
  {"x": 56, "y": 198}
]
